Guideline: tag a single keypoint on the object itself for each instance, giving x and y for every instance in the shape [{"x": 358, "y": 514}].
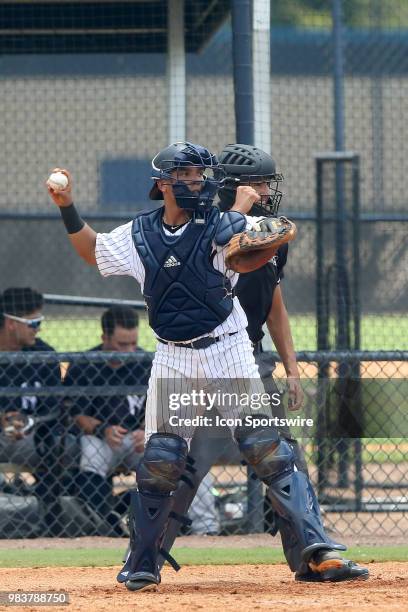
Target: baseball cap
[{"x": 163, "y": 160}]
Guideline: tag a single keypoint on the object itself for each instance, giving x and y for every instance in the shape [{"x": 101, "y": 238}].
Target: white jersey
[
  {"x": 116, "y": 255},
  {"x": 178, "y": 367}
]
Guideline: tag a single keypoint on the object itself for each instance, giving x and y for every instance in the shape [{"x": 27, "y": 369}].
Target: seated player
[
  {"x": 112, "y": 426},
  {"x": 31, "y": 424}
]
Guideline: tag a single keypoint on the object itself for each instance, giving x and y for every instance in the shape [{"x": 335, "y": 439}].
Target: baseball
[{"x": 57, "y": 181}]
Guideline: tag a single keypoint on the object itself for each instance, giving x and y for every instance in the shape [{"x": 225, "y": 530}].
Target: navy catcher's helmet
[
  {"x": 244, "y": 164},
  {"x": 181, "y": 155}
]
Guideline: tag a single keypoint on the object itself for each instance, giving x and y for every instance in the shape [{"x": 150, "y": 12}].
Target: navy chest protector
[{"x": 185, "y": 296}]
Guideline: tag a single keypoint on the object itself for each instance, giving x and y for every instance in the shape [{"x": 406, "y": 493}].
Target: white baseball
[{"x": 57, "y": 181}]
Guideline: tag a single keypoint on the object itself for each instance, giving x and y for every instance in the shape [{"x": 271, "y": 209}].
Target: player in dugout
[{"x": 31, "y": 427}]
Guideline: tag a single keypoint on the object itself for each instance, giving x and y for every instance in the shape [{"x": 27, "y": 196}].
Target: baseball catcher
[
  {"x": 177, "y": 255},
  {"x": 260, "y": 295}
]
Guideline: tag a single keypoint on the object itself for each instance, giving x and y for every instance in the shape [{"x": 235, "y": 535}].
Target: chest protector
[{"x": 185, "y": 296}]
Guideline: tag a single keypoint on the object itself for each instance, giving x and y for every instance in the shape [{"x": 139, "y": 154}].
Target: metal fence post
[
  {"x": 242, "y": 34},
  {"x": 243, "y": 70}
]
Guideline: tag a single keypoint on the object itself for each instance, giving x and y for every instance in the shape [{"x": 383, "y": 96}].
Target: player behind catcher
[{"x": 179, "y": 254}]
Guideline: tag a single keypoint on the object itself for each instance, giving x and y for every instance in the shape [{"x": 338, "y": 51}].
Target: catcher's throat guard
[
  {"x": 195, "y": 200},
  {"x": 252, "y": 249}
]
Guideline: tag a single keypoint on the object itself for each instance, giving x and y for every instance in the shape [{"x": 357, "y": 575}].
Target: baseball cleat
[
  {"x": 142, "y": 581},
  {"x": 328, "y": 566},
  {"x": 140, "y": 585}
]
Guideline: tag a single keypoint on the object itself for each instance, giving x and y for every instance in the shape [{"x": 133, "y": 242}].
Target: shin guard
[
  {"x": 291, "y": 494},
  {"x": 148, "y": 519},
  {"x": 300, "y": 523}
]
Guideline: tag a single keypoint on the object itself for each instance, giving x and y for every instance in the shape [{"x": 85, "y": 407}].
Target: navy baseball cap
[{"x": 163, "y": 160}]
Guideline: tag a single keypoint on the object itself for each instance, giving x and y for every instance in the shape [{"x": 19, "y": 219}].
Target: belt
[{"x": 202, "y": 343}]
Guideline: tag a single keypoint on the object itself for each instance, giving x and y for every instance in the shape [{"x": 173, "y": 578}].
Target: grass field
[
  {"x": 387, "y": 332},
  {"x": 101, "y": 557}
]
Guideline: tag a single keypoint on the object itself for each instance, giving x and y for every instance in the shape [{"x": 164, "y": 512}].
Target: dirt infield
[
  {"x": 369, "y": 369},
  {"x": 230, "y": 588},
  {"x": 253, "y": 540}
]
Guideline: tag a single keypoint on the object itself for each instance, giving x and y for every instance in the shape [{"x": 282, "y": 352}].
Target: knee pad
[
  {"x": 266, "y": 453},
  {"x": 163, "y": 464}
]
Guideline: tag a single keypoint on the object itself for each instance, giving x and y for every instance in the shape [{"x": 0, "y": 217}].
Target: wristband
[
  {"x": 72, "y": 221},
  {"x": 100, "y": 429}
]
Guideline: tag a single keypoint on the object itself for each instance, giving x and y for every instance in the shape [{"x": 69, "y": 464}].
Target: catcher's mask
[
  {"x": 247, "y": 165},
  {"x": 175, "y": 158}
]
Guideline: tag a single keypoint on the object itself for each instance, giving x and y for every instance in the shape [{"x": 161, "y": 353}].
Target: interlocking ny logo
[
  {"x": 29, "y": 402},
  {"x": 171, "y": 262}
]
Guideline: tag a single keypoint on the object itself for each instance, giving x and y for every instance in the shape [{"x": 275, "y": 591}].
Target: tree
[{"x": 386, "y": 14}]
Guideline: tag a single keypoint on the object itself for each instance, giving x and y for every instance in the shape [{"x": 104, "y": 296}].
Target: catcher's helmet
[
  {"x": 182, "y": 155},
  {"x": 244, "y": 164}
]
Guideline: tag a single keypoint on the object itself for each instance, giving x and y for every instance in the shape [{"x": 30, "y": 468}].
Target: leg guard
[
  {"x": 290, "y": 492},
  {"x": 147, "y": 520},
  {"x": 182, "y": 500},
  {"x": 271, "y": 518},
  {"x": 300, "y": 523},
  {"x": 203, "y": 456},
  {"x": 163, "y": 463},
  {"x": 158, "y": 475},
  {"x": 266, "y": 368}
]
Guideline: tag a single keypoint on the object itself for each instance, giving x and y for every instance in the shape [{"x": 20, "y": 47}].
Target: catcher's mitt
[{"x": 252, "y": 249}]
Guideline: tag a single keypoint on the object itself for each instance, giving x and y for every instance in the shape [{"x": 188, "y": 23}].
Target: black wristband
[
  {"x": 71, "y": 219},
  {"x": 100, "y": 429}
]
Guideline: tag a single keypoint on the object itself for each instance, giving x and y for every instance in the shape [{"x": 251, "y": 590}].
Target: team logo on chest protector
[{"x": 171, "y": 262}]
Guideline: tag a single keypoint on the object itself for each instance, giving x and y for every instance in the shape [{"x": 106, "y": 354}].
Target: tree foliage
[{"x": 385, "y": 14}]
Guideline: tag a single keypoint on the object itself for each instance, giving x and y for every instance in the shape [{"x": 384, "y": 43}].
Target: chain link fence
[
  {"x": 87, "y": 88},
  {"x": 57, "y": 479}
]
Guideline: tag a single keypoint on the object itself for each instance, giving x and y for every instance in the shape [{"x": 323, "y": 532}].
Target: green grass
[
  {"x": 102, "y": 557},
  {"x": 386, "y": 332},
  {"x": 378, "y": 332},
  {"x": 375, "y": 451},
  {"x": 384, "y": 407},
  {"x": 83, "y": 334}
]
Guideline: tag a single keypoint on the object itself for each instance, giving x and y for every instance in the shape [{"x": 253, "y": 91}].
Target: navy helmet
[
  {"x": 181, "y": 155},
  {"x": 244, "y": 165}
]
